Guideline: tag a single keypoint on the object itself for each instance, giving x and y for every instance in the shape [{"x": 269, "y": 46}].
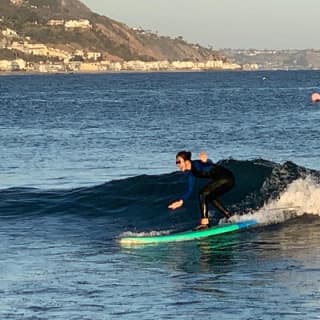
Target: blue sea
[{"x": 88, "y": 159}]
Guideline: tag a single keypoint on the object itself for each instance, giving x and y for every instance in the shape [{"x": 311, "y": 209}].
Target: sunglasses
[{"x": 178, "y": 162}]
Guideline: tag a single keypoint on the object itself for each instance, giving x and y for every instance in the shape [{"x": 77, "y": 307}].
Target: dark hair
[{"x": 185, "y": 155}]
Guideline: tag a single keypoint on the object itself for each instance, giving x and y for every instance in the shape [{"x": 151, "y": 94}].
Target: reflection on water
[
  {"x": 74, "y": 268},
  {"x": 210, "y": 255},
  {"x": 264, "y": 273}
]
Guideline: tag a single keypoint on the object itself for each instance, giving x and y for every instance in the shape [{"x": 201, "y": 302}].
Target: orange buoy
[{"x": 315, "y": 97}]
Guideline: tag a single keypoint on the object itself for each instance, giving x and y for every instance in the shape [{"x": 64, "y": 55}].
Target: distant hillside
[
  {"x": 276, "y": 59},
  {"x": 115, "y": 40}
]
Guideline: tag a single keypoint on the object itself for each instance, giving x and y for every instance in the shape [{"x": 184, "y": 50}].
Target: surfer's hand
[
  {"x": 203, "y": 156},
  {"x": 176, "y": 204}
]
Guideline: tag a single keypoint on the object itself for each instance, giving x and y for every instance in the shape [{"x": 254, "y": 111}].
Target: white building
[
  {"x": 55, "y": 22},
  {"x": 12, "y": 65},
  {"x": 214, "y": 64},
  {"x": 92, "y": 55},
  {"x": 78, "y": 24},
  {"x": 9, "y": 33},
  {"x": 37, "y": 49},
  {"x": 16, "y": 2},
  {"x": 183, "y": 65},
  {"x": 3, "y": 43}
]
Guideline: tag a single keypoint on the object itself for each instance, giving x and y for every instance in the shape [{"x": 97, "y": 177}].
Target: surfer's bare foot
[
  {"x": 201, "y": 227},
  {"x": 227, "y": 216}
]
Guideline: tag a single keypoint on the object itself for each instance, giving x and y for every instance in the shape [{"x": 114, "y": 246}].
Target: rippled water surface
[{"x": 86, "y": 159}]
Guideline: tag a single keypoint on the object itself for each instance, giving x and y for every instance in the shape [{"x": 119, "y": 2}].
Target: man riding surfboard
[{"x": 221, "y": 181}]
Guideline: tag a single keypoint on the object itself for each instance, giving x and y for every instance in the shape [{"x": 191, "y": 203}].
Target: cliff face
[{"x": 44, "y": 21}]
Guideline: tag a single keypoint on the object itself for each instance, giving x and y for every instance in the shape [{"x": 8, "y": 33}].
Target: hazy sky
[{"x": 274, "y": 24}]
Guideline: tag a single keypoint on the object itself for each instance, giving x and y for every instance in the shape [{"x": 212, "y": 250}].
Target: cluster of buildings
[
  {"x": 142, "y": 66},
  {"x": 59, "y": 60},
  {"x": 11, "y": 40},
  {"x": 71, "y": 24},
  {"x": 108, "y": 66}
]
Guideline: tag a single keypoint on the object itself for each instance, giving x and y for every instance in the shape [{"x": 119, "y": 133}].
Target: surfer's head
[{"x": 183, "y": 160}]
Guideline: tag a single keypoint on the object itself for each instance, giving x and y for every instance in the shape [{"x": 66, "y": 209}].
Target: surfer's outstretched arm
[{"x": 179, "y": 203}]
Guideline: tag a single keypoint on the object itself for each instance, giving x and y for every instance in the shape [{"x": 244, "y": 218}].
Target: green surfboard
[{"x": 187, "y": 235}]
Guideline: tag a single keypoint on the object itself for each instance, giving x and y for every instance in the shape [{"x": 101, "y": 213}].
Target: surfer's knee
[{"x": 204, "y": 193}]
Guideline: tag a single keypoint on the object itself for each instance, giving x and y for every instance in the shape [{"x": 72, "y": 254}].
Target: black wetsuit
[{"x": 222, "y": 180}]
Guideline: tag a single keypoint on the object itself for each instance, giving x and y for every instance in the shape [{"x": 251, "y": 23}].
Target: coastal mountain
[
  {"x": 276, "y": 59},
  {"x": 69, "y": 25}
]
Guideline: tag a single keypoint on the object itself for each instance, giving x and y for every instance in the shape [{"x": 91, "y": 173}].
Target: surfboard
[{"x": 188, "y": 235}]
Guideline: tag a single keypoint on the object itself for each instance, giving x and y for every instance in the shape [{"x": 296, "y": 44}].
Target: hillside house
[
  {"x": 13, "y": 65},
  {"x": 78, "y": 24},
  {"x": 92, "y": 55},
  {"x": 55, "y": 22},
  {"x": 9, "y": 33},
  {"x": 16, "y": 2}
]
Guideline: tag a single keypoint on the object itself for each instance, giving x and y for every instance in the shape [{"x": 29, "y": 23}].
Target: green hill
[{"x": 112, "y": 38}]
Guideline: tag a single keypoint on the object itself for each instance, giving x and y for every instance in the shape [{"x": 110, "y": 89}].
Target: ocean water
[{"x": 87, "y": 159}]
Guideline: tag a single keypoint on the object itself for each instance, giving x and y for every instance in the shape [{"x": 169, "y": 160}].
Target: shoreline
[
  {"x": 35, "y": 73},
  {"x": 26, "y": 73}
]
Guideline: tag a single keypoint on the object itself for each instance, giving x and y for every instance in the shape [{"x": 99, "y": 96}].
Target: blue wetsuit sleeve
[{"x": 191, "y": 181}]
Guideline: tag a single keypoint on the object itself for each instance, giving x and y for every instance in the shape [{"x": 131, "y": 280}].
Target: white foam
[
  {"x": 144, "y": 234},
  {"x": 301, "y": 197}
]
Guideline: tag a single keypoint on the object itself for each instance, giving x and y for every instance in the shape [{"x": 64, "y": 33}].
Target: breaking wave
[{"x": 266, "y": 191}]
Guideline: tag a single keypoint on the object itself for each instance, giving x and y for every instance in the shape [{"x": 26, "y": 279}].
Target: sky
[{"x": 220, "y": 24}]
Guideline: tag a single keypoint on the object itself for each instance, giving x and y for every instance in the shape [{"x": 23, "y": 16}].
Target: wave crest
[{"x": 268, "y": 191}]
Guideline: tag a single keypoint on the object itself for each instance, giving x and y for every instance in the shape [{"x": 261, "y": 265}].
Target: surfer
[{"x": 221, "y": 181}]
